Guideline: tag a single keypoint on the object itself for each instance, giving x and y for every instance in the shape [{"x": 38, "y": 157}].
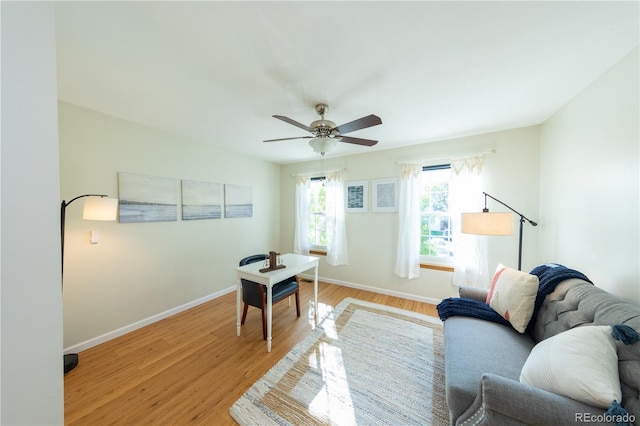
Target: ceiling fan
[{"x": 325, "y": 133}]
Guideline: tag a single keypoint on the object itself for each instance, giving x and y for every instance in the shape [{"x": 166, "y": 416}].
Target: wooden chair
[{"x": 255, "y": 294}]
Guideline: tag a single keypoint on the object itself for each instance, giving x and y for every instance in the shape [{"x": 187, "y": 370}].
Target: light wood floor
[{"x": 190, "y": 368}]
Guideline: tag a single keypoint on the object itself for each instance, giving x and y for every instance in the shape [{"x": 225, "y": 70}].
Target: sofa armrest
[
  {"x": 473, "y": 293},
  {"x": 508, "y": 402}
]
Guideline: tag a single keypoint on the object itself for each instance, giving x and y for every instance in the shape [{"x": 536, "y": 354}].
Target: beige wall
[
  {"x": 590, "y": 186},
  {"x": 511, "y": 175},
  {"x": 31, "y": 385},
  {"x": 141, "y": 270}
]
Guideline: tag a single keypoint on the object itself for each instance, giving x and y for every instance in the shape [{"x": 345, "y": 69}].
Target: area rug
[{"x": 364, "y": 364}]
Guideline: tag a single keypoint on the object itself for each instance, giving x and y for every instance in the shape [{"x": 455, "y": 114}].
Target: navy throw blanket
[
  {"x": 549, "y": 276},
  {"x": 462, "y": 306}
]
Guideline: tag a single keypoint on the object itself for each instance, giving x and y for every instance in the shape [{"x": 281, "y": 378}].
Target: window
[
  {"x": 435, "y": 218},
  {"x": 317, "y": 213}
]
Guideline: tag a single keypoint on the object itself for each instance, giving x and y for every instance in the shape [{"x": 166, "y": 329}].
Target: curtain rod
[
  {"x": 319, "y": 172},
  {"x": 451, "y": 158}
]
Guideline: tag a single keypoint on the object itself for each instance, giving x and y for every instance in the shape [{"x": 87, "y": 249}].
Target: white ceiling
[{"x": 217, "y": 71}]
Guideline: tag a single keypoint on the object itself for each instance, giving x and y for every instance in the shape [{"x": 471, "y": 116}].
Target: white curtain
[
  {"x": 335, "y": 219},
  {"x": 465, "y": 195},
  {"x": 301, "y": 234},
  {"x": 408, "y": 250}
]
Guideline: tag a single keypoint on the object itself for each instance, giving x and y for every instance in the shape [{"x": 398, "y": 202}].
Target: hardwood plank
[{"x": 190, "y": 368}]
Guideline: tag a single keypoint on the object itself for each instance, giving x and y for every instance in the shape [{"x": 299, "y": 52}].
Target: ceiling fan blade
[
  {"x": 360, "y": 123},
  {"x": 358, "y": 141},
  {"x": 288, "y": 139},
  {"x": 294, "y": 122}
]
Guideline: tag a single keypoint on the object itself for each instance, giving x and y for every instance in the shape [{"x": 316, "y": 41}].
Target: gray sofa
[{"x": 483, "y": 360}]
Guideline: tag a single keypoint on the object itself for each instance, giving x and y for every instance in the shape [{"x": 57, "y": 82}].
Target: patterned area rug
[{"x": 365, "y": 364}]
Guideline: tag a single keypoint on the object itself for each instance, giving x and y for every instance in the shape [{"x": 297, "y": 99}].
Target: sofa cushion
[
  {"x": 576, "y": 302},
  {"x": 474, "y": 347},
  {"x": 513, "y": 296},
  {"x": 581, "y": 363}
]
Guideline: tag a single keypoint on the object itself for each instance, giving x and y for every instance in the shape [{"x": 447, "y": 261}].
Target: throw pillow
[
  {"x": 513, "y": 295},
  {"x": 580, "y": 363}
]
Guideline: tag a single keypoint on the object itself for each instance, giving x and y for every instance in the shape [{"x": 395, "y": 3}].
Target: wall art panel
[
  {"x": 238, "y": 201},
  {"x": 201, "y": 200},
  {"x": 147, "y": 198}
]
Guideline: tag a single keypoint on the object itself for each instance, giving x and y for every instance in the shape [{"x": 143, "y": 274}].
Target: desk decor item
[
  {"x": 365, "y": 363},
  {"x": 274, "y": 262}
]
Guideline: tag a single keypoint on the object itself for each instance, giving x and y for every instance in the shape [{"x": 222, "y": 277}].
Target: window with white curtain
[
  {"x": 320, "y": 217},
  {"x": 431, "y": 201},
  {"x": 317, "y": 233},
  {"x": 436, "y": 237}
]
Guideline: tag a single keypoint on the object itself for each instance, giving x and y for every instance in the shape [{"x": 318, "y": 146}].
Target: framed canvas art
[
  {"x": 238, "y": 201},
  {"x": 357, "y": 196},
  {"x": 147, "y": 198},
  {"x": 201, "y": 200},
  {"x": 385, "y": 195}
]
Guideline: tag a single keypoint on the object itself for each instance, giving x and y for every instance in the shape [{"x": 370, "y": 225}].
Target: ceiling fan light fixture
[
  {"x": 325, "y": 134},
  {"x": 322, "y": 145}
]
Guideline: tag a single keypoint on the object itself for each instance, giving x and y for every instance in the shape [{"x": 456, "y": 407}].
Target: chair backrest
[
  {"x": 252, "y": 292},
  {"x": 254, "y": 258}
]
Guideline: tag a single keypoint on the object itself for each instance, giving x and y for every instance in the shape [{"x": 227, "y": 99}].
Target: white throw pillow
[
  {"x": 580, "y": 363},
  {"x": 513, "y": 295}
]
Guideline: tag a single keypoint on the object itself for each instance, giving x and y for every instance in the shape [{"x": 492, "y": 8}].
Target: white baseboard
[
  {"x": 154, "y": 318},
  {"x": 375, "y": 289},
  {"x": 143, "y": 323}
]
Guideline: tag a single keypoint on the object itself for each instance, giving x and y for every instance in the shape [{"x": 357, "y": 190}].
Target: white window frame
[
  {"x": 447, "y": 236},
  {"x": 313, "y": 246}
]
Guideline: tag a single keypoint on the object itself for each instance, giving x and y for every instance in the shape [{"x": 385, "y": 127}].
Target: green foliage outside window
[
  {"x": 435, "y": 232},
  {"x": 317, "y": 208}
]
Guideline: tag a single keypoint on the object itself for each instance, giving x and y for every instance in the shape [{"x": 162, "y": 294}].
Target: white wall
[
  {"x": 589, "y": 183},
  {"x": 139, "y": 270},
  {"x": 31, "y": 314},
  {"x": 511, "y": 175}
]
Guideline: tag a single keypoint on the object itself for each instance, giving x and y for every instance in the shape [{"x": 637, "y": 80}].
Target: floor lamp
[
  {"x": 486, "y": 223},
  {"x": 98, "y": 207}
]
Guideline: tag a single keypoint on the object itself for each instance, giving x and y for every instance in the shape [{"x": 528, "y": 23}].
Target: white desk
[{"x": 295, "y": 264}]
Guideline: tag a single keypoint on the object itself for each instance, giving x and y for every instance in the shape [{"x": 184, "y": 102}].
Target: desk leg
[
  {"x": 315, "y": 293},
  {"x": 238, "y": 305},
  {"x": 269, "y": 315}
]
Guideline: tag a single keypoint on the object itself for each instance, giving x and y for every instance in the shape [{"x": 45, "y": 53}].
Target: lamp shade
[
  {"x": 487, "y": 223},
  {"x": 322, "y": 145},
  {"x": 100, "y": 208}
]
